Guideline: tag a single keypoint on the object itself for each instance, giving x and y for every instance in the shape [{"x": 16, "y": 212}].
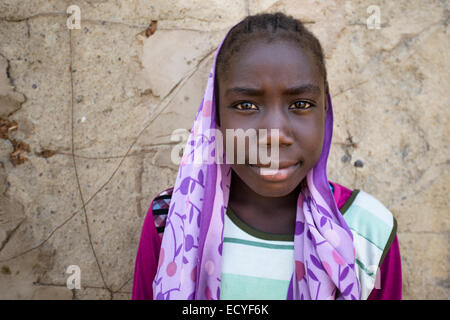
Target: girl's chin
[{"x": 273, "y": 191}]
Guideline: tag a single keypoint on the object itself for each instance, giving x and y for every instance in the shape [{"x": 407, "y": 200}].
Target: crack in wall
[
  {"x": 159, "y": 109},
  {"x": 107, "y": 22},
  {"x": 350, "y": 88},
  {"x": 38, "y": 15},
  {"x": 10, "y": 234},
  {"x": 46, "y": 153},
  {"x": 75, "y": 165},
  {"x": 13, "y": 97},
  {"x": 83, "y": 287}
]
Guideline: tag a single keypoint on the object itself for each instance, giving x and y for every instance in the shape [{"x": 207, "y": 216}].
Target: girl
[{"x": 230, "y": 231}]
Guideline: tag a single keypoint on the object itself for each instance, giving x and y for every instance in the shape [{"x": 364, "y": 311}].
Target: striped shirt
[
  {"x": 390, "y": 286},
  {"x": 256, "y": 265}
]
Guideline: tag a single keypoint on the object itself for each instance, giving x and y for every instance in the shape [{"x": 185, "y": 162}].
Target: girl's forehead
[{"x": 279, "y": 61}]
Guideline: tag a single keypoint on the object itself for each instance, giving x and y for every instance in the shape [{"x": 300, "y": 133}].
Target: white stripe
[
  {"x": 367, "y": 253},
  {"x": 367, "y": 283},
  {"x": 254, "y": 261}
]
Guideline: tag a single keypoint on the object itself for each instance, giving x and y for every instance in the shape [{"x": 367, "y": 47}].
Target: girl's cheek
[
  {"x": 310, "y": 136},
  {"x": 317, "y": 146}
]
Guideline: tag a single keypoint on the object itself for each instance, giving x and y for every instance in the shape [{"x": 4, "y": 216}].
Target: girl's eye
[
  {"x": 302, "y": 105},
  {"x": 246, "y": 106}
]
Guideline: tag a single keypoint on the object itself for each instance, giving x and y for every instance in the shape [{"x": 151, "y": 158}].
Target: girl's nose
[{"x": 277, "y": 120}]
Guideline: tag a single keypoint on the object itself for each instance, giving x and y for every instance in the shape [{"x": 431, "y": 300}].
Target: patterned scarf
[{"x": 190, "y": 259}]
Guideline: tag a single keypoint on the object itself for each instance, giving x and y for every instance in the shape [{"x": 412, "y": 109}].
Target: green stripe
[
  {"x": 240, "y": 287},
  {"x": 258, "y": 244},
  {"x": 363, "y": 267},
  {"x": 368, "y": 225}
]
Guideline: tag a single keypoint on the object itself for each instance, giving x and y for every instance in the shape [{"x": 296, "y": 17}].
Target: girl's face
[{"x": 275, "y": 85}]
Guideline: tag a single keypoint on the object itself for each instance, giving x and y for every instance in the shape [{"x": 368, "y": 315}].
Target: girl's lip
[{"x": 275, "y": 174}]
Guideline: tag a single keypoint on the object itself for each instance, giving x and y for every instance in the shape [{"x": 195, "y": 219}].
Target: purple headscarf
[{"x": 190, "y": 259}]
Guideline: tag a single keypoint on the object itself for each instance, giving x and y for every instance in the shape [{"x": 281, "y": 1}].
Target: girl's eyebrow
[
  {"x": 245, "y": 91},
  {"x": 305, "y": 88}
]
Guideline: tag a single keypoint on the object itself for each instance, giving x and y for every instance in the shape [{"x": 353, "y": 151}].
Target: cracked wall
[{"x": 86, "y": 117}]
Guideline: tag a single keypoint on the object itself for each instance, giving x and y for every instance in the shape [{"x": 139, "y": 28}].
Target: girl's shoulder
[
  {"x": 368, "y": 218},
  {"x": 160, "y": 209},
  {"x": 362, "y": 209},
  {"x": 374, "y": 229},
  {"x": 365, "y": 213}
]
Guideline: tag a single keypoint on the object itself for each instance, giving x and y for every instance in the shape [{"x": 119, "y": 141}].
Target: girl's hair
[{"x": 269, "y": 26}]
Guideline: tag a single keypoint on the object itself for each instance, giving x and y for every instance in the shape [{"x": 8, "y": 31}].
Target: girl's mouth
[{"x": 280, "y": 174}]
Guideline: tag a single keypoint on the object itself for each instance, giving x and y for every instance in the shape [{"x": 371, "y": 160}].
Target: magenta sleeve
[
  {"x": 146, "y": 259},
  {"x": 389, "y": 281}
]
